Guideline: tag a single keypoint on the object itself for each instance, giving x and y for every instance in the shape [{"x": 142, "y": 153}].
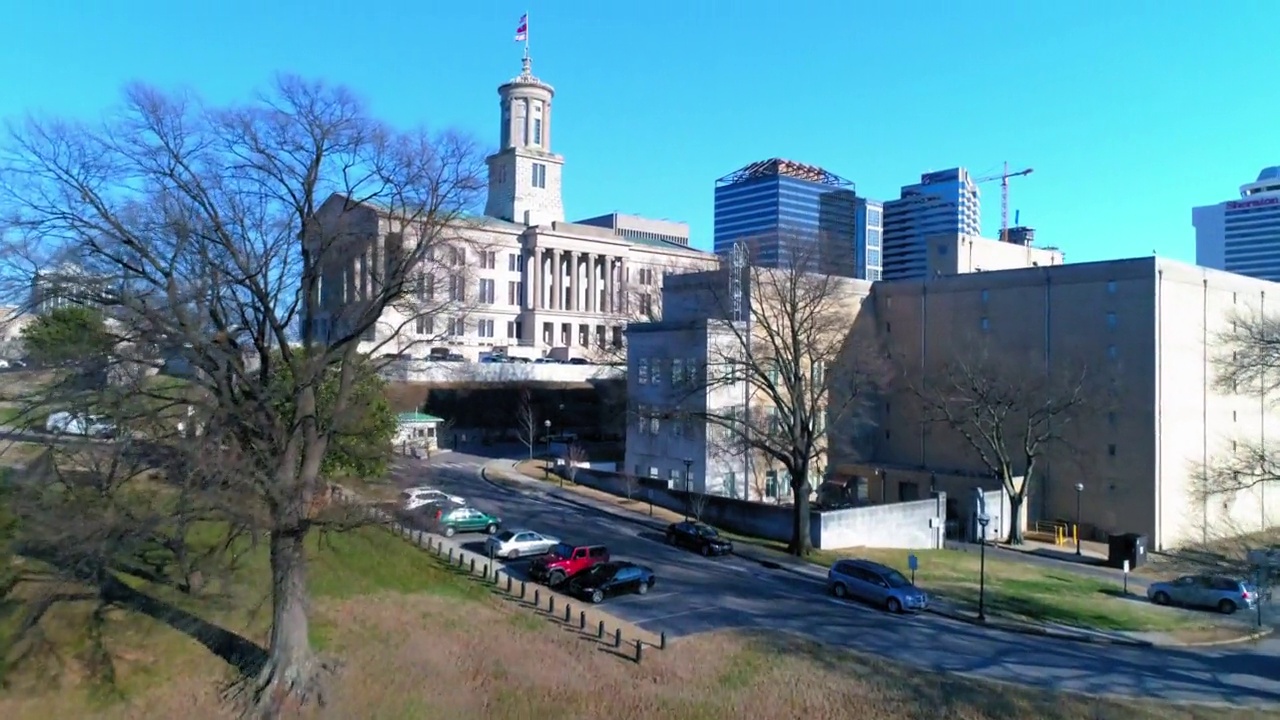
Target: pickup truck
[{"x": 565, "y": 560}]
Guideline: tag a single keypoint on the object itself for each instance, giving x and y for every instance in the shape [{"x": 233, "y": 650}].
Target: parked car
[
  {"x": 697, "y": 536},
  {"x": 416, "y": 497},
  {"x": 513, "y": 544},
  {"x": 877, "y": 584},
  {"x": 565, "y": 560},
  {"x": 1224, "y": 594},
  {"x": 68, "y": 423},
  {"x": 610, "y": 579},
  {"x": 452, "y": 519}
]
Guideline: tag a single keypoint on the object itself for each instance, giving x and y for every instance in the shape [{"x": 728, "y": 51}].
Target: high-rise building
[
  {"x": 943, "y": 202},
  {"x": 1243, "y": 236},
  {"x": 780, "y": 206}
]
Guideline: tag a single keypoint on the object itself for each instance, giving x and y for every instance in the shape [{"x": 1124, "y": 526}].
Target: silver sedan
[{"x": 512, "y": 544}]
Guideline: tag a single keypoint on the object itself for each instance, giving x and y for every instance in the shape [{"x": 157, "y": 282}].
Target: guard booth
[{"x": 1127, "y": 546}]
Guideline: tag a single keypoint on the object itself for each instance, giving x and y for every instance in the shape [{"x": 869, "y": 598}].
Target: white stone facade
[{"x": 531, "y": 284}]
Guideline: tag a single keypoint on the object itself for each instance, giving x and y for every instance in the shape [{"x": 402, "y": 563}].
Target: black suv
[{"x": 696, "y": 536}]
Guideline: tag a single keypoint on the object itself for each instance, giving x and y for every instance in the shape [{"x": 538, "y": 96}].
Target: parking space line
[
  {"x": 647, "y": 598},
  {"x": 668, "y": 616}
]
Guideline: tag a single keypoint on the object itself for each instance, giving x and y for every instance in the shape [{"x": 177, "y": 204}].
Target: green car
[{"x": 450, "y": 520}]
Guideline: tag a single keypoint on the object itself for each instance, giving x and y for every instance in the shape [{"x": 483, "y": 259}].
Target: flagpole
[{"x": 526, "y": 34}]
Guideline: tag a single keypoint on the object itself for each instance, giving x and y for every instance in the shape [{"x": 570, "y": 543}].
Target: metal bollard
[
  {"x": 582, "y": 620},
  {"x": 508, "y": 584},
  {"x": 537, "y": 598},
  {"x": 522, "y": 589},
  {"x": 440, "y": 548},
  {"x": 662, "y": 640},
  {"x": 600, "y": 631},
  {"x": 486, "y": 571},
  {"x": 472, "y": 569},
  {"x": 639, "y": 648},
  {"x": 428, "y": 537},
  {"x": 551, "y": 605},
  {"x": 450, "y": 556},
  {"x": 617, "y": 638},
  {"x": 568, "y": 612}
]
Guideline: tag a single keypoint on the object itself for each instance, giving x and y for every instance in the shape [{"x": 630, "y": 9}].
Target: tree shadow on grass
[{"x": 246, "y": 656}]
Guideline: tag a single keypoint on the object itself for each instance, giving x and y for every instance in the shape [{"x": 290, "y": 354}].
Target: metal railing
[{"x": 1053, "y": 531}]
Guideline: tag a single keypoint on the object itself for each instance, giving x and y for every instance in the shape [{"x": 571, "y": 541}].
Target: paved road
[{"x": 696, "y": 594}]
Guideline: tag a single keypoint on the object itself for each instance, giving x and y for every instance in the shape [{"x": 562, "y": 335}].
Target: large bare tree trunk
[
  {"x": 294, "y": 674},
  {"x": 800, "y": 545},
  {"x": 1016, "y": 503}
]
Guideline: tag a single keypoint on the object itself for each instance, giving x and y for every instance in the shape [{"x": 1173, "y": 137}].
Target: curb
[{"x": 1251, "y": 637}]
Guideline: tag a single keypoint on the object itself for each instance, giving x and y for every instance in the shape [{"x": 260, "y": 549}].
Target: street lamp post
[
  {"x": 983, "y": 521},
  {"x": 688, "y": 465},
  {"x": 546, "y": 464},
  {"x": 1079, "y": 492}
]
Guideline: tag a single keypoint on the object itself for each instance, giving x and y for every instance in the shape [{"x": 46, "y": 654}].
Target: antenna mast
[{"x": 737, "y": 267}]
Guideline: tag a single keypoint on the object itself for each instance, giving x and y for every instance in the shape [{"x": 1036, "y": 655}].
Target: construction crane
[{"x": 1004, "y": 195}]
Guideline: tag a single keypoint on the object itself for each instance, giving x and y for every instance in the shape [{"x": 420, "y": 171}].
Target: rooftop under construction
[{"x": 784, "y": 168}]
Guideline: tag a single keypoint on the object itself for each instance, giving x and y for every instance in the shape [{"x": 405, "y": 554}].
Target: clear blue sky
[{"x": 1130, "y": 112}]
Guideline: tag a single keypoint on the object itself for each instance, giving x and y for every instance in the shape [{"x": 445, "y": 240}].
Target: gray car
[
  {"x": 876, "y": 584},
  {"x": 1224, "y": 594}
]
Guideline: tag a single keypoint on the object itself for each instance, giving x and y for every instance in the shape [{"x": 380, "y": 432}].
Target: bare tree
[
  {"x": 526, "y": 421},
  {"x": 574, "y": 458},
  {"x": 630, "y": 483},
  {"x": 640, "y": 301},
  {"x": 697, "y": 504},
  {"x": 292, "y": 233},
  {"x": 789, "y": 354},
  {"x": 1010, "y": 417}
]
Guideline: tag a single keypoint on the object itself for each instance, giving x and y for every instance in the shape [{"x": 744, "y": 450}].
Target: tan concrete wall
[{"x": 955, "y": 254}]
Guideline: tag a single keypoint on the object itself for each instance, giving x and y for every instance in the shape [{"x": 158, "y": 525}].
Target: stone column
[
  {"x": 593, "y": 284},
  {"x": 575, "y": 282},
  {"x": 530, "y": 277},
  {"x": 624, "y": 302},
  {"x": 557, "y": 282},
  {"x": 607, "y": 260}
]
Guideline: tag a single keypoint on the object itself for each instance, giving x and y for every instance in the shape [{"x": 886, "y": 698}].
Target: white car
[
  {"x": 512, "y": 544},
  {"x": 414, "y": 498}
]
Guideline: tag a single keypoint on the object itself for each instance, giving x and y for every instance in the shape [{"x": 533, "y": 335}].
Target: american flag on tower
[{"x": 522, "y": 30}]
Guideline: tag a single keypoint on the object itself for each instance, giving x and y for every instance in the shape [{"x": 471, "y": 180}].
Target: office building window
[
  {"x": 1112, "y": 352},
  {"x": 677, "y": 372},
  {"x": 425, "y": 325},
  {"x": 484, "y": 328},
  {"x": 986, "y": 295},
  {"x": 457, "y": 327},
  {"x": 486, "y": 291},
  {"x": 537, "y": 131},
  {"x": 1111, "y": 450},
  {"x": 539, "y": 175},
  {"x": 873, "y": 217},
  {"x": 642, "y": 371},
  {"x": 1111, "y": 286},
  {"x": 488, "y": 259},
  {"x": 1112, "y": 321},
  {"x": 873, "y": 238},
  {"x": 511, "y": 329},
  {"x": 457, "y": 290},
  {"x": 985, "y": 324},
  {"x": 1111, "y": 418},
  {"x": 514, "y": 293}
]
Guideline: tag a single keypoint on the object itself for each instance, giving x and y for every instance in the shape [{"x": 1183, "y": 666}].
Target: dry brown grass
[{"x": 421, "y": 656}]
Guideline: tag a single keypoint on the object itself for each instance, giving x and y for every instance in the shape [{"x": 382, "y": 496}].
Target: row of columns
[{"x": 547, "y": 269}]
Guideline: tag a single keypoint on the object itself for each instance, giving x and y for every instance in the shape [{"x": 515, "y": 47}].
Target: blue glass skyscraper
[
  {"x": 779, "y": 207},
  {"x": 942, "y": 202}
]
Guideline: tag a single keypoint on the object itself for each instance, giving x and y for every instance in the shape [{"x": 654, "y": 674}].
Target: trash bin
[{"x": 1127, "y": 546}]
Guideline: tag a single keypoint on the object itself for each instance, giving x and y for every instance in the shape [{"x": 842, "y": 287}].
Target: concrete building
[
  {"x": 956, "y": 254},
  {"x": 947, "y": 201},
  {"x": 1243, "y": 236},
  {"x": 520, "y": 280},
  {"x": 779, "y": 205},
  {"x": 672, "y": 393},
  {"x": 1143, "y": 331}
]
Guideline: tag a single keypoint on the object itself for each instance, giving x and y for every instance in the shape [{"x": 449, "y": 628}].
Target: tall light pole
[
  {"x": 983, "y": 520},
  {"x": 688, "y": 465},
  {"x": 546, "y": 465},
  {"x": 1079, "y": 493}
]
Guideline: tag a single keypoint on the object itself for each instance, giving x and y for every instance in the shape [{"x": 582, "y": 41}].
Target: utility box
[{"x": 1127, "y": 546}]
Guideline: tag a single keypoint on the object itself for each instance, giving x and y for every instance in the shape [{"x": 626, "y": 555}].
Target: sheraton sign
[{"x": 1242, "y": 204}]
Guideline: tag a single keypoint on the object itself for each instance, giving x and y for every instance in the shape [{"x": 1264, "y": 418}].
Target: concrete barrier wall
[
  {"x": 912, "y": 525},
  {"x": 899, "y": 525}
]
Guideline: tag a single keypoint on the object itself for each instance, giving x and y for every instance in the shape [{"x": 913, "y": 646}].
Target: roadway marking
[
  {"x": 647, "y": 597},
  {"x": 668, "y": 616}
]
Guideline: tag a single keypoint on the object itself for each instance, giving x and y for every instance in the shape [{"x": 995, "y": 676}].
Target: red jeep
[{"x": 565, "y": 560}]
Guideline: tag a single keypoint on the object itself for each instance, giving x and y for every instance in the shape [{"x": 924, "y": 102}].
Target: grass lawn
[
  {"x": 417, "y": 640},
  {"x": 1017, "y": 590}
]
